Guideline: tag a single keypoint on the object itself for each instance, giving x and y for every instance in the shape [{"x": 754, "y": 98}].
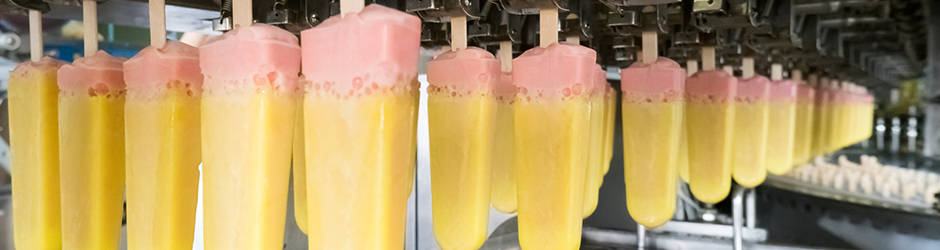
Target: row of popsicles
[
  {"x": 82, "y": 132},
  {"x": 872, "y": 178}
]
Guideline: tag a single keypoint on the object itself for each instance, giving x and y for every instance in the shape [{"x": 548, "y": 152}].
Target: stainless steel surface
[{"x": 737, "y": 210}]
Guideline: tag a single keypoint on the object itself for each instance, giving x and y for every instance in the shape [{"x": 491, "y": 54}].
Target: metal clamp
[
  {"x": 441, "y": 10},
  {"x": 532, "y": 7}
]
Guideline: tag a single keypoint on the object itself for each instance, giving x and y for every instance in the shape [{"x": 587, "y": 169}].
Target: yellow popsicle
[
  {"x": 91, "y": 156},
  {"x": 360, "y": 113},
  {"x": 821, "y": 119},
  {"x": 461, "y": 124},
  {"x": 163, "y": 146},
  {"x": 552, "y": 127},
  {"x": 710, "y": 118},
  {"x": 594, "y": 174},
  {"x": 299, "y": 170},
  {"x": 609, "y": 125},
  {"x": 653, "y": 105},
  {"x": 503, "y": 195},
  {"x": 781, "y": 129},
  {"x": 751, "y": 118},
  {"x": 247, "y": 115},
  {"x": 34, "y": 138},
  {"x": 803, "y": 132}
]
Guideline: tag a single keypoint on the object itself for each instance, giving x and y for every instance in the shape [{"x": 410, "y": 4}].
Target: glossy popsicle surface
[
  {"x": 751, "y": 117},
  {"x": 248, "y": 109},
  {"x": 552, "y": 126},
  {"x": 504, "y": 170},
  {"x": 594, "y": 174},
  {"x": 461, "y": 123},
  {"x": 360, "y": 112},
  {"x": 653, "y": 103},
  {"x": 163, "y": 147},
  {"x": 803, "y": 132},
  {"x": 34, "y": 138},
  {"x": 780, "y": 133},
  {"x": 91, "y": 152},
  {"x": 710, "y": 118}
]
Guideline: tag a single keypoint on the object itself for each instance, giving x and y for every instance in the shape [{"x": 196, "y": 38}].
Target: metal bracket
[
  {"x": 441, "y": 10},
  {"x": 39, "y": 5},
  {"x": 630, "y": 20},
  {"x": 531, "y": 7}
]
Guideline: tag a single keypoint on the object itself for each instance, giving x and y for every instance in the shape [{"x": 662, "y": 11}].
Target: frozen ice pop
[
  {"x": 751, "y": 117},
  {"x": 360, "y": 112},
  {"x": 163, "y": 148},
  {"x": 552, "y": 125},
  {"x": 594, "y": 172},
  {"x": 709, "y": 117},
  {"x": 683, "y": 159},
  {"x": 503, "y": 195},
  {"x": 34, "y": 131},
  {"x": 610, "y": 121},
  {"x": 247, "y": 116},
  {"x": 780, "y": 131},
  {"x": 653, "y": 105},
  {"x": 91, "y": 156},
  {"x": 461, "y": 123},
  {"x": 803, "y": 132},
  {"x": 298, "y": 169},
  {"x": 821, "y": 118}
]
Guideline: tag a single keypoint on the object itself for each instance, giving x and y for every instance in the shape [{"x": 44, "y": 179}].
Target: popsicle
[
  {"x": 837, "y": 123},
  {"x": 360, "y": 112},
  {"x": 461, "y": 123},
  {"x": 163, "y": 147},
  {"x": 594, "y": 172},
  {"x": 33, "y": 97},
  {"x": 710, "y": 118},
  {"x": 653, "y": 105},
  {"x": 751, "y": 117},
  {"x": 821, "y": 118},
  {"x": 803, "y": 132},
  {"x": 552, "y": 126},
  {"x": 248, "y": 106},
  {"x": 782, "y": 120},
  {"x": 298, "y": 169},
  {"x": 503, "y": 195},
  {"x": 610, "y": 121},
  {"x": 91, "y": 129},
  {"x": 691, "y": 67}
]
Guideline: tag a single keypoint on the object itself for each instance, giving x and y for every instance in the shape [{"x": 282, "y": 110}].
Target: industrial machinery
[{"x": 890, "y": 47}]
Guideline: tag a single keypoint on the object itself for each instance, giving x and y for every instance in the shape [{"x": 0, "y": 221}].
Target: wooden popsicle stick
[
  {"x": 691, "y": 67},
  {"x": 241, "y": 13},
  {"x": 813, "y": 80},
  {"x": 458, "y": 33},
  {"x": 728, "y": 69},
  {"x": 776, "y": 72},
  {"x": 350, "y": 6},
  {"x": 650, "y": 47},
  {"x": 747, "y": 67},
  {"x": 90, "y": 26},
  {"x": 35, "y": 35},
  {"x": 708, "y": 58},
  {"x": 573, "y": 40},
  {"x": 548, "y": 27},
  {"x": 505, "y": 56},
  {"x": 157, "y": 23},
  {"x": 797, "y": 76}
]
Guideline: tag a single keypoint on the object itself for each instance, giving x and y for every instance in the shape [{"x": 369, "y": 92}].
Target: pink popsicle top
[
  {"x": 713, "y": 86},
  {"x": 505, "y": 91},
  {"x": 805, "y": 93},
  {"x": 559, "y": 71},
  {"x": 663, "y": 80},
  {"x": 782, "y": 91},
  {"x": 100, "y": 74},
  {"x": 154, "y": 70},
  {"x": 462, "y": 72},
  {"x": 377, "y": 48},
  {"x": 43, "y": 65},
  {"x": 600, "y": 82},
  {"x": 259, "y": 54},
  {"x": 754, "y": 89}
]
